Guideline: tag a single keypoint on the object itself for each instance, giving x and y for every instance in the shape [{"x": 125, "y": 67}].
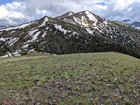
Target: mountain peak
[
  {"x": 84, "y": 18},
  {"x": 86, "y": 11},
  {"x": 133, "y": 23},
  {"x": 70, "y": 33},
  {"x": 126, "y": 20},
  {"x": 70, "y": 13},
  {"x": 65, "y": 15}
]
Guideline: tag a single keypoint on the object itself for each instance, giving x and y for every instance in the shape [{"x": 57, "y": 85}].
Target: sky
[
  {"x": 14, "y": 12},
  {"x": 5, "y": 1}
]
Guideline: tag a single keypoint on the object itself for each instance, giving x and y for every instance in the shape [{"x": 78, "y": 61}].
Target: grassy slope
[{"x": 76, "y": 79}]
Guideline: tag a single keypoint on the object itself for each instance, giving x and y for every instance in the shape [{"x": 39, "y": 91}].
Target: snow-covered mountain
[
  {"x": 127, "y": 21},
  {"x": 71, "y": 33},
  {"x": 66, "y": 14},
  {"x": 84, "y": 19},
  {"x": 133, "y": 23},
  {"x": 136, "y": 24}
]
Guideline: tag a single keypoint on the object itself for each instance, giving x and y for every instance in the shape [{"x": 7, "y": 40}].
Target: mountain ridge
[
  {"x": 133, "y": 23},
  {"x": 82, "y": 18},
  {"x": 65, "y": 15},
  {"x": 71, "y": 33}
]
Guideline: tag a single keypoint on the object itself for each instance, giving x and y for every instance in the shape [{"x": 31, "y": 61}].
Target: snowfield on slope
[{"x": 91, "y": 17}]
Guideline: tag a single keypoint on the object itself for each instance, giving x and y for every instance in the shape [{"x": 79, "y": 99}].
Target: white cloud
[
  {"x": 122, "y": 4},
  {"x": 21, "y": 11},
  {"x": 41, "y": 12},
  {"x": 4, "y": 12},
  {"x": 14, "y": 5},
  {"x": 11, "y": 13}
]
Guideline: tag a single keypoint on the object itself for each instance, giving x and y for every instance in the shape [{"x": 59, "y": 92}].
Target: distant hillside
[
  {"x": 75, "y": 79},
  {"x": 135, "y": 24},
  {"x": 70, "y": 33}
]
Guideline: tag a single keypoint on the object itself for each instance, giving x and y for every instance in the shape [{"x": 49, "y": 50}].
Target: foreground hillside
[{"x": 76, "y": 79}]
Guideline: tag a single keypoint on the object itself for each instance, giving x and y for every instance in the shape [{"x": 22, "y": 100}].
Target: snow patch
[
  {"x": 32, "y": 32},
  {"x": 59, "y": 27},
  {"x": 91, "y": 17},
  {"x": 89, "y": 30},
  {"x": 17, "y": 27},
  {"x": 12, "y": 41},
  {"x": 68, "y": 21},
  {"x": 96, "y": 28},
  {"x": 25, "y": 45},
  {"x": 13, "y": 32},
  {"x": 36, "y": 35},
  {"x": 77, "y": 20},
  {"x": 71, "y": 13},
  {"x": 2, "y": 39},
  {"x": 105, "y": 22},
  {"x": 47, "y": 28},
  {"x": 14, "y": 54},
  {"x": 44, "y": 23},
  {"x": 5, "y": 56},
  {"x": 137, "y": 28},
  {"x": 44, "y": 34},
  {"x": 84, "y": 21}
]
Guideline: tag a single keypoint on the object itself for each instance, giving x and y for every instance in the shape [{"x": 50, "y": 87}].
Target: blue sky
[
  {"x": 13, "y": 12},
  {"x": 5, "y": 1}
]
